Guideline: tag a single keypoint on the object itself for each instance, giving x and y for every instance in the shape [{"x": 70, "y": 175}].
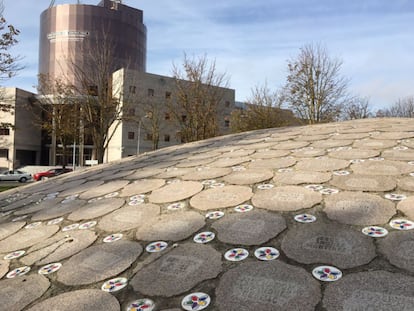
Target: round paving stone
[
  {"x": 58, "y": 247},
  {"x": 301, "y": 177},
  {"x": 268, "y": 154},
  {"x": 33, "y": 208},
  {"x": 174, "y": 172},
  {"x": 205, "y": 173},
  {"x": 142, "y": 186},
  {"x": 308, "y": 153},
  {"x": 249, "y": 176},
  {"x": 407, "y": 207},
  {"x": 386, "y": 167},
  {"x": 406, "y": 183},
  {"x": 194, "y": 163},
  {"x": 4, "y": 267},
  {"x": 332, "y": 244},
  {"x": 99, "y": 262},
  {"x": 217, "y": 198},
  {"x": 237, "y": 153},
  {"x": 175, "y": 192},
  {"x": 394, "y": 135},
  {"x": 144, "y": 173},
  {"x": 253, "y": 228},
  {"x": 375, "y": 290},
  {"x": 59, "y": 210},
  {"x": 17, "y": 293},
  {"x": 286, "y": 198},
  {"x": 398, "y": 247},
  {"x": 374, "y": 144},
  {"x": 330, "y": 143},
  {"x": 291, "y": 145},
  {"x": 180, "y": 270},
  {"x": 27, "y": 238},
  {"x": 80, "y": 188},
  {"x": 129, "y": 217},
  {"x": 358, "y": 182},
  {"x": 354, "y": 154},
  {"x": 356, "y": 208},
  {"x": 85, "y": 299},
  {"x": 323, "y": 164},
  {"x": 106, "y": 188},
  {"x": 399, "y": 155},
  {"x": 170, "y": 227},
  {"x": 96, "y": 209},
  {"x": 227, "y": 162},
  {"x": 267, "y": 286},
  {"x": 272, "y": 163},
  {"x": 8, "y": 228}
]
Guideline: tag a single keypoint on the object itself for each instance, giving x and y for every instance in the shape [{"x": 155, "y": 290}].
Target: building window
[
  {"x": 226, "y": 122},
  {"x": 166, "y": 137},
  {"x": 150, "y": 92},
  {"x": 167, "y": 95},
  {"x": 131, "y": 135},
  {"x": 149, "y": 136},
  {"x": 4, "y": 153},
  {"x": 184, "y": 118},
  {"x": 93, "y": 90},
  {"x": 132, "y": 89},
  {"x": 4, "y": 131},
  {"x": 167, "y": 116},
  {"x": 227, "y": 104}
]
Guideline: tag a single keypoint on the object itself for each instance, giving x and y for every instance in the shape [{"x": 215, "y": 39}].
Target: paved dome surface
[{"x": 301, "y": 218}]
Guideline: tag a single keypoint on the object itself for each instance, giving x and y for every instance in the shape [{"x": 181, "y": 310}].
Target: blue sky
[{"x": 252, "y": 40}]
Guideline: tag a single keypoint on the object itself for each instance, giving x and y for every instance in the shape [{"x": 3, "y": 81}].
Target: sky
[{"x": 252, "y": 41}]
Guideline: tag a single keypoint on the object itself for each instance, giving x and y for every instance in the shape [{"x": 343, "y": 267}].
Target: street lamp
[{"x": 139, "y": 135}]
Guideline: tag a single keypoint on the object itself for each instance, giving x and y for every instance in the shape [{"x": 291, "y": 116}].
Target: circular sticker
[
  {"x": 14, "y": 255},
  {"x": 33, "y": 225},
  {"x": 50, "y": 268},
  {"x": 236, "y": 254},
  {"x": 217, "y": 185},
  {"x": 285, "y": 170},
  {"x": 341, "y": 173},
  {"x": 136, "y": 202},
  {"x": 55, "y": 221},
  {"x": 329, "y": 191},
  {"x": 314, "y": 187},
  {"x": 114, "y": 285},
  {"x": 411, "y": 163},
  {"x": 72, "y": 197},
  {"x": 376, "y": 159},
  {"x": 208, "y": 182},
  {"x": 402, "y": 224},
  {"x": 18, "y": 272},
  {"x": 395, "y": 197},
  {"x": 357, "y": 161},
  {"x": 204, "y": 237},
  {"x": 266, "y": 253},
  {"x": 87, "y": 225},
  {"x": 195, "y": 301},
  {"x": 400, "y": 148},
  {"x": 176, "y": 206},
  {"x": 156, "y": 247},
  {"x": 113, "y": 237},
  {"x": 265, "y": 186},
  {"x": 70, "y": 227},
  {"x": 375, "y": 232},
  {"x": 305, "y": 218},
  {"x": 412, "y": 174},
  {"x": 95, "y": 199},
  {"x": 214, "y": 215},
  {"x": 137, "y": 197},
  {"x": 111, "y": 195},
  {"x": 141, "y": 305},
  {"x": 173, "y": 181},
  {"x": 327, "y": 273},
  {"x": 243, "y": 208}
]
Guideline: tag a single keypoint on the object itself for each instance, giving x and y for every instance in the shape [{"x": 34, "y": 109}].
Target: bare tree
[
  {"x": 315, "y": 90},
  {"x": 262, "y": 110},
  {"x": 403, "y": 108},
  {"x": 357, "y": 108},
  {"x": 198, "y": 94}
]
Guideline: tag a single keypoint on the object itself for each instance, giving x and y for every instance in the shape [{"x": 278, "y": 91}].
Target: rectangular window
[
  {"x": 149, "y": 136},
  {"x": 132, "y": 89},
  {"x": 4, "y": 131},
  {"x": 166, "y": 137},
  {"x": 150, "y": 92},
  {"x": 226, "y": 123},
  {"x": 131, "y": 135},
  {"x": 93, "y": 90},
  {"x": 184, "y": 118},
  {"x": 167, "y": 95},
  {"x": 227, "y": 104},
  {"x": 4, "y": 153},
  {"x": 167, "y": 116}
]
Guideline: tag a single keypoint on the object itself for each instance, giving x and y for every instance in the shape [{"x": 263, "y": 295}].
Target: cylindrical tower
[{"x": 66, "y": 29}]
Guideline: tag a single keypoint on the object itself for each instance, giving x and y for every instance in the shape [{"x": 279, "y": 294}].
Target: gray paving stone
[
  {"x": 352, "y": 136},
  {"x": 394, "y": 135},
  {"x": 249, "y": 176},
  {"x": 291, "y": 145},
  {"x": 228, "y": 162},
  {"x": 175, "y": 192},
  {"x": 386, "y": 167},
  {"x": 174, "y": 172},
  {"x": 205, "y": 173},
  {"x": 329, "y": 244},
  {"x": 398, "y": 248},
  {"x": 408, "y": 143},
  {"x": 4, "y": 267},
  {"x": 84, "y": 299},
  {"x": 26, "y": 238},
  {"x": 374, "y": 290},
  {"x": 81, "y": 188},
  {"x": 65, "y": 186},
  {"x": 406, "y": 183},
  {"x": 144, "y": 173},
  {"x": 301, "y": 177},
  {"x": 237, "y": 153},
  {"x": 309, "y": 137},
  {"x": 8, "y": 228},
  {"x": 194, "y": 163},
  {"x": 369, "y": 143},
  {"x": 323, "y": 164},
  {"x": 17, "y": 293},
  {"x": 22, "y": 202},
  {"x": 170, "y": 227},
  {"x": 358, "y": 182},
  {"x": 308, "y": 153},
  {"x": 331, "y": 143},
  {"x": 272, "y": 163},
  {"x": 59, "y": 210},
  {"x": 99, "y": 262},
  {"x": 354, "y": 154},
  {"x": 142, "y": 186},
  {"x": 267, "y": 286},
  {"x": 60, "y": 246},
  {"x": 356, "y": 208},
  {"x": 178, "y": 271},
  {"x": 252, "y": 228},
  {"x": 286, "y": 198},
  {"x": 217, "y": 198},
  {"x": 268, "y": 154},
  {"x": 96, "y": 209},
  {"x": 399, "y": 155},
  {"x": 106, "y": 188},
  {"x": 407, "y": 207},
  {"x": 129, "y": 217},
  {"x": 35, "y": 207}
]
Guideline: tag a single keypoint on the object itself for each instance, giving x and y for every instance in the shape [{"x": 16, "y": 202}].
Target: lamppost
[{"x": 139, "y": 135}]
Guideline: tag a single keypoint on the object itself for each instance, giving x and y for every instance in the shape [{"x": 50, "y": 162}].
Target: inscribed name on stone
[{"x": 267, "y": 286}]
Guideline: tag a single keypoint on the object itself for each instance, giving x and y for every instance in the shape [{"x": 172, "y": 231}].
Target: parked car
[
  {"x": 51, "y": 173},
  {"x": 15, "y": 175}
]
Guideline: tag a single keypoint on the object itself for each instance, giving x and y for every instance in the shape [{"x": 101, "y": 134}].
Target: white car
[{"x": 15, "y": 175}]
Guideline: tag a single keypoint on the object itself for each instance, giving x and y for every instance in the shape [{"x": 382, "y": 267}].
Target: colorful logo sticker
[
  {"x": 135, "y": 202},
  {"x": 113, "y": 237},
  {"x": 314, "y": 187},
  {"x": 137, "y": 197},
  {"x": 214, "y": 215},
  {"x": 305, "y": 218},
  {"x": 141, "y": 305},
  {"x": 33, "y": 225},
  {"x": 236, "y": 254},
  {"x": 341, "y": 173},
  {"x": 176, "y": 206},
  {"x": 114, "y": 285},
  {"x": 327, "y": 273},
  {"x": 70, "y": 227},
  {"x": 243, "y": 208},
  {"x": 395, "y": 197},
  {"x": 55, "y": 221},
  {"x": 87, "y": 225},
  {"x": 266, "y": 253},
  {"x": 156, "y": 247},
  {"x": 204, "y": 237},
  {"x": 195, "y": 301},
  {"x": 402, "y": 224},
  {"x": 14, "y": 255},
  {"x": 50, "y": 268},
  {"x": 374, "y": 231},
  {"x": 111, "y": 195},
  {"x": 329, "y": 191},
  {"x": 18, "y": 272},
  {"x": 265, "y": 186}
]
